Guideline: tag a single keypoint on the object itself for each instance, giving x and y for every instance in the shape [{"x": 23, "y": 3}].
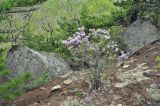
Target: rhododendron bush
[
  {"x": 93, "y": 50},
  {"x": 84, "y": 48}
]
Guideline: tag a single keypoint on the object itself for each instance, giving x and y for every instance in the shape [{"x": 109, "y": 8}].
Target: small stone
[
  {"x": 120, "y": 85},
  {"x": 42, "y": 88},
  {"x": 35, "y": 104},
  {"x": 119, "y": 64},
  {"x": 143, "y": 64},
  {"x": 157, "y": 74},
  {"x": 154, "y": 86},
  {"x": 67, "y": 82},
  {"x": 57, "y": 87},
  {"x": 120, "y": 70},
  {"x": 66, "y": 75},
  {"x": 115, "y": 97},
  {"x": 119, "y": 105},
  {"x": 134, "y": 60},
  {"x": 125, "y": 66},
  {"x": 144, "y": 68},
  {"x": 131, "y": 61}
]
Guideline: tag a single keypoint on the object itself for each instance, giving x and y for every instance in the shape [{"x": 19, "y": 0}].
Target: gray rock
[
  {"x": 154, "y": 93},
  {"x": 130, "y": 76},
  {"x": 138, "y": 34},
  {"x": 21, "y": 59}
]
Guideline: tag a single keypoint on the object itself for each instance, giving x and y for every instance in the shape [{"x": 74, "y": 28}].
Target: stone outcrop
[
  {"x": 139, "y": 34},
  {"x": 21, "y": 59}
]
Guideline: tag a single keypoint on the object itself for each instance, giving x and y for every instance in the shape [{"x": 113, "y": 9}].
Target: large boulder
[
  {"x": 21, "y": 59},
  {"x": 138, "y": 34}
]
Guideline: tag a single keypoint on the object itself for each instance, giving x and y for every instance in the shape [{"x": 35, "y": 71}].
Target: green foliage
[
  {"x": 69, "y": 26},
  {"x": 65, "y": 17},
  {"x": 38, "y": 81},
  {"x": 4, "y": 72},
  {"x": 2, "y": 69},
  {"x": 51, "y": 44},
  {"x": 96, "y": 14},
  {"x": 2, "y": 38},
  {"x": 14, "y": 87},
  {"x": 116, "y": 32},
  {"x": 158, "y": 62}
]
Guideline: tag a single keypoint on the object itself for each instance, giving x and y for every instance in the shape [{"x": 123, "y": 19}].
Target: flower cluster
[
  {"x": 77, "y": 38},
  {"x": 99, "y": 33},
  {"x": 94, "y": 34}
]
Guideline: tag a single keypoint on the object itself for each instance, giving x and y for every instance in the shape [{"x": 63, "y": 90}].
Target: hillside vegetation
[{"x": 51, "y": 26}]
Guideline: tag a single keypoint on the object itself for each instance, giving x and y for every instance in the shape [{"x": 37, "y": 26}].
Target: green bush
[
  {"x": 103, "y": 13},
  {"x": 68, "y": 26},
  {"x": 14, "y": 87},
  {"x": 38, "y": 81},
  {"x": 50, "y": 44}
]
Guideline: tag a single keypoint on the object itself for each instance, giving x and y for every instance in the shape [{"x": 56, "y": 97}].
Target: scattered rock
[
  {"x": 120, "y": 85},
  {"x": 66, "y": 75},
  {"x": 115, "y": 97},
  {"x": 119, "y": 105},
  {"x": 35, "y": 104},
  {"x": 142, "y": 66},
  {"x": 130, "y": 61},
  {"x": 130, "y": 76},
  {"x": 154, "y": 86},
  {"x": 55, "y": 88},
  {"x": 158, "y": 74},
  {"x": 67, "y": 82},
  {"x": 42, "y": 88},
  {"x": 70, "y": 102},
  {"x": 120, "y": 64},
  {"x": 139, "y": 98},
  {"x": 125, "y": 66},
  {"x": 154, "y": 93},
  {"x": 120, "y": 69}
]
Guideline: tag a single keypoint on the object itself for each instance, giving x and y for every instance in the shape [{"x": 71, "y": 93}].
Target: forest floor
[{"x": 123, "y": 85}]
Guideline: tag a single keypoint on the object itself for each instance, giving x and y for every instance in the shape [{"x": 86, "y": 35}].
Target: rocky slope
[{"x": 134, "y": 83}]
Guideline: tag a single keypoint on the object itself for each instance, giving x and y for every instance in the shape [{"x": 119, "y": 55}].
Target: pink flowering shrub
[{"x": 93, "y": 50}]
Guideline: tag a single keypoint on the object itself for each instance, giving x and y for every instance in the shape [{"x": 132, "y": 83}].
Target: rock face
[
  {"x": 22, "y": 59},
  {"x": 138, "y": 34},
  {"x": 132, "y": 75}
]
